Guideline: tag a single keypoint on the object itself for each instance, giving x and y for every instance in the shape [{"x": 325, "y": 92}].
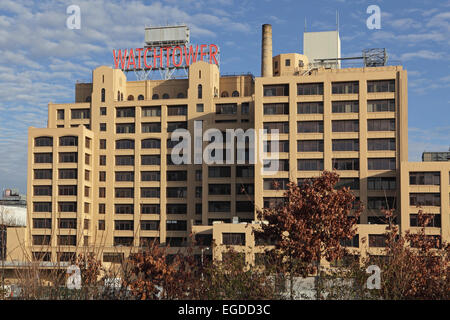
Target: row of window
[
  {"x": 336, "y": 107},
  {"x": 337, "y": 126},
  {"x": 351, "y": 87}
]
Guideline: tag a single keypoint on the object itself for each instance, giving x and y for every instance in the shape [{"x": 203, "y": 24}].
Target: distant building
[
  {"x": 12, "y": 197},
  {"x": 436, "y": 156}
]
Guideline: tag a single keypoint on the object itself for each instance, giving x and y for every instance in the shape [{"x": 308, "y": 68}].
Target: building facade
[{"x": 101, "y": 176}]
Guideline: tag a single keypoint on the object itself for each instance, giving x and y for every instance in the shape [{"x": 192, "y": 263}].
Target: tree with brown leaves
[{"x": 310, "y": 225}]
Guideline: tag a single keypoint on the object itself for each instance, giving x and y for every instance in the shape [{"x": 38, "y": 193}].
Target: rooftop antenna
[{"x": 337, "y": 20}]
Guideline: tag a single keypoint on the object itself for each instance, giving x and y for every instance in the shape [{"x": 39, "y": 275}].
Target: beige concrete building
[{"x": 100, "y": 176}]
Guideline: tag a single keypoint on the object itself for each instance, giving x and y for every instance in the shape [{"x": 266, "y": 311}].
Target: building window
[
  {"x": 276, "y": 108},
  {"x": 200, "y": 91},
  {"x": 377, "y": 240},
  {"x": 43, "y": 142},
  {"x": 150, "y": 175},
  {"x": 101, "y": 225},
  {"x": 123, "y": 225},
  {"x": 68, "y": 157},
  {"x": 150, "y": 225},
  {"x": 124, "y": 208},
  {"x": 379, "y": 203},
  {"x": 219, "y": 172},
  {"x": 177, "y": 110},
  {"x": 176, "y": 225},
  {"x": 309, "y": 89},
  {"x": 381, "y": 86},
  {"x": 228, "y": 108},
  {"x": 275, "y": 183},
  {"x": 382, "y": 183},
  {"x": 310, "y": 108},
  {"x": 41, "y": 240},
  {"x": 103, "y": 94},
  {"x": 125, "y": 112},
  {"x": 125, "y": 144},
  {"x": 67, "y": 190},
  {"x": 124, "y": 128},
  {"x": 150, "y": 193},
  {"x": 381, "y": 125},
  {"x": 101, "y": 208},
  {"x": 282, "y": 127},
  {"x": 60, "y": 114},
  {"x": 151, "y": 160},
  {"x": 245, "y": 108},
  {"x": 276, "y": 90},
  {"x": 102, "y": 126},
  {"x": 176, "y": 208},
  {"x": 381, "y": 144},
  {"x": 176, "y": 192},
  {"x": 130, "y": 98},
  {"x": 102, "y": 143},
  {"x": 43, "y": 174},
  {"x": 381, "y": 105},
  {"x": 237, "y": 239},
  {"x": 345, "y": 164},
  {"x": 103, "y": 111},
  {"x": 310, "y": 126},
  {"x": 425, "y": 199},
  {"x": 102, "y": 176},
  {"x": 345, "y": 87},
  {"x": 244, "y": 172},
  {"x": 219, "y": 206},
  {"x": 200, "y": 107},
  {"x": 310, "y": 146},
  {"x": 151, "y": 111},
  {"x": 381, "y": 163},
  {"x": 42, "y": 207},
  {"x": 113, "y": 257},
  {"x": 235, "y": 93},
  {"x": 345, "y": 106},
  {"x": 219, "y": 189},
  {"x": 224, "y": 94},
  {"x": 435, "y": 221},
  {"x": 67, "y": 206},
  {"x": 351, "y": 183},
  {"x": 245, "y": 189},
  {"x": 124, "y": 192},
  {"x": 43, "y": 157},
  {"x": 425, "y": 178},
  {"x": 150, "y": 209},
  {"x": 287, "y": 62},
  {"x": 68, "y": 141},
  {"x": 150, "y": 127},
  {"x": 155, "y": 96},
  {"x": 123, "y": 241},
  {"x": 42, "y": 223},
  {"x": 345, "y": 125},
  {"x": 81, "y": 113},
  {"x": 172, "y": 126},
  {"x": 345, "y": 145}
]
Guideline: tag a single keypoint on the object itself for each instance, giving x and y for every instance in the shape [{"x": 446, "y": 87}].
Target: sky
[{"x": 41, "y": 59}]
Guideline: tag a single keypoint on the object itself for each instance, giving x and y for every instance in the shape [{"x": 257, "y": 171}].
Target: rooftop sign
[{"x": 164, "y": 57}]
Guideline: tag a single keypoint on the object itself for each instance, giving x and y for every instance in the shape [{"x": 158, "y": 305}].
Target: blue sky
[{"x": 41, "y": 59}]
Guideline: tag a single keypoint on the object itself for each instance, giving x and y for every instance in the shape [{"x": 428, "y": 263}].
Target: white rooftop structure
[{"x": 322, "y": 45}]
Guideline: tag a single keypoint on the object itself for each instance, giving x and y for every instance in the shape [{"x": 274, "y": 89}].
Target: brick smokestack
[{"x": 266, "y": 51}]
